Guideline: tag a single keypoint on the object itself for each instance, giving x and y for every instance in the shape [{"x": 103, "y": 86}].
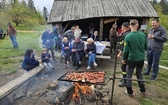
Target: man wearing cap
[
  {"x": 135, "y": 45},
  {"x": 125, "y": 31}
]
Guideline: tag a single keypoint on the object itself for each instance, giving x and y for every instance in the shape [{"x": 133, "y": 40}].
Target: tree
[
  {"x": 153, "y": 2},
  {"x": 45, "y": 13},
  {"x": 31, "y": 5},
  {"x": 17, "y": 12},
  {"x": 164, "y": 5},
  {"x": 24, "y": 3}
]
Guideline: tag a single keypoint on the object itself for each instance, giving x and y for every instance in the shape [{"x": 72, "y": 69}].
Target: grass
[
  {"x": 164, "y": 56},
  {"x": 10, "y": 58},
  {"x": 156, "y": 90}
]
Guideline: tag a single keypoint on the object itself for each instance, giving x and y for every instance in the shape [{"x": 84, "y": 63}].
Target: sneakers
[
  {"x": 143, "y": 94},
  {"x": 146, "y": 74},
  {"x": 153, "y": 78},
  {"x": 122, "y": 84},
  {"x": 65, "y": 67},
  {"x": 88, "y": 68},
  {"x": 67, "y": 64},
  {"x": 76, "y": 68},
  {"x": 130, "y": 95},
  {"x": 95, "y": 64},
  {"x": 80, "y": 62}
]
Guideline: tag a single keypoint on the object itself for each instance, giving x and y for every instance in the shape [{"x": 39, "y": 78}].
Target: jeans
[
  {"x": 138, "y": 65},
  {"x": 48, "y": 66},
  {"x": 91, "y": 59},
  {"x": 52, "y": 52},
  {"x": 57, "y": 44},
  {"x": 153, "y": 62},
  {"x": 13, "y": 40}
]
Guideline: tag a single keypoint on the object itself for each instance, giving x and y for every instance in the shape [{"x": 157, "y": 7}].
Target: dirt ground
[{"x": 43, "y": 79}]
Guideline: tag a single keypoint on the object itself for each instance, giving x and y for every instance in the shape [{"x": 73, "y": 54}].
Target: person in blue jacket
[
  {"x": 95, "y": 36},
  {"x": 56, "y": 37},
  {"x": 48, "y": 42},
  {"x": 29, "y": 61},
  {"x": 45, "y": 56}
]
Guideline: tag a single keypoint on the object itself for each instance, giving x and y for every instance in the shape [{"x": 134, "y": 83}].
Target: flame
[{"x": 81, "y": 89}]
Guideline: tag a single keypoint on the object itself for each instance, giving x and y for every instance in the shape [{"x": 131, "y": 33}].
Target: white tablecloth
[{"x": 99, "y": 47}]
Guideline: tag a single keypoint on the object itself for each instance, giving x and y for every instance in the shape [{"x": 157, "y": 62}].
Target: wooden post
[
  {"x": 60, "y": 28},
  {"x": 101, "y": 29},
  {"x": 66, "y": 26}
]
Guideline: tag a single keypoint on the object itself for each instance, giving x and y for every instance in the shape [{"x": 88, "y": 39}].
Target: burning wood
[{"x": 81, "y": 89}]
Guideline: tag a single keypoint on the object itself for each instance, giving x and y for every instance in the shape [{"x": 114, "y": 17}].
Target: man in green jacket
[{"x": 135, "y": 45}]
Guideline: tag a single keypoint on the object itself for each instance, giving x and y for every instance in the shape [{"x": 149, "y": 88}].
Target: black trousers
[
  {"x": 2, "y": 36},
  {"x": 52, "y": 52},
  {"x": 30, "y": 67},
  {"x": 113, "y": 46},
  {"x": 123, "y": 68},
  {"x": 67, "y": 56},
  {"x": 76, "y": 57},
  {"x": 131, "y": 66}
]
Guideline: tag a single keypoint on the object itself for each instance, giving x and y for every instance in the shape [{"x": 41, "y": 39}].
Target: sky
[{"x": 39, "y": 4}]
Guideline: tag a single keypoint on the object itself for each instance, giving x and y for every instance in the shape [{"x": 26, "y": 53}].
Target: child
[
  {"x": 66, "y": 48},
  {"x": 29, "y": 61},
  {"x": 46, "y": 59}
]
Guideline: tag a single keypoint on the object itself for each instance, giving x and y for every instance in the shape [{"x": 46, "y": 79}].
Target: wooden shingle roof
[{"x": 68, "y": 10}]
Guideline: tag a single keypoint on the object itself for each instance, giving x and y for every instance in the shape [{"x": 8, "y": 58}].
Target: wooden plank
[
  {"x": 100, "y": 8},
  {"x": 86, "y": 9},
  {"x": 66, "y": 10},
  {"x": 101, "y": 57},
  {"x": 14, "y": 84},
  {"x": 101, "y": 29},
  {"x": 110, "y": 20}
]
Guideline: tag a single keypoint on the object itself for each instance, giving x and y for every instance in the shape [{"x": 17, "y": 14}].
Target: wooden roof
[{"x": 68, "y": 10}]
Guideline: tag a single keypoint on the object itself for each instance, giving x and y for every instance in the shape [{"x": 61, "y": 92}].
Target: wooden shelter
[{"x": 101, "y": 13}]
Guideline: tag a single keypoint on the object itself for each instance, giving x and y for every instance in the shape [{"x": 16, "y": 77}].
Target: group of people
[
  {"x": 72, "y": 48},
  {"x": 134, "y": 44}
]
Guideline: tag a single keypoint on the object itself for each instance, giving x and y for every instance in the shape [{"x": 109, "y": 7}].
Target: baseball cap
[{"x": 125, "y": 24}]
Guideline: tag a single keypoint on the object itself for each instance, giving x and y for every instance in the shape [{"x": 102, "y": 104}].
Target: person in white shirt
[{"x": 78, "y": 31}]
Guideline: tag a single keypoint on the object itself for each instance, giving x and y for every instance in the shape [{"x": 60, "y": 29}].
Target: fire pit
[
  {"x": 85, "y": 87},
  {"x": 89, "y": 77}
]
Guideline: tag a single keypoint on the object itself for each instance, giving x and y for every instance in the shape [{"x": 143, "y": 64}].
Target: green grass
[
  {"x": 35, "y": 28},
  {"x": 10, "y": 58},
  {"x": 146, "y": 101},
  {"x": 164, "y": 56},
  {"x": 156, "y": 90}
]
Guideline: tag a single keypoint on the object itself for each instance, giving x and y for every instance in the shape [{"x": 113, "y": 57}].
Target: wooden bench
[
  {"x": 14, "y": 84},
  {"x": 102, "y": 57}
]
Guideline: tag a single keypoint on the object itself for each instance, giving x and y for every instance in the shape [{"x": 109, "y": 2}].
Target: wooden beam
[
  {"x": 101, "y": 29},
  {"x": 110, "y": 20},
  {"x": 17, "y": 82},
  {"x": 66, "y": 26}
]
